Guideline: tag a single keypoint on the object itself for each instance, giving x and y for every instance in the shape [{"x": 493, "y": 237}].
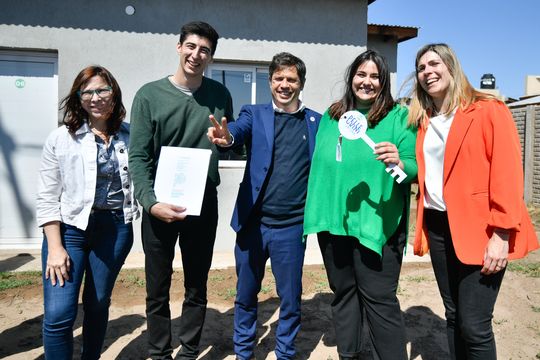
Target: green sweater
[
  {"x": 162, "y": 115},
  {"x": 357, "y": 197}
]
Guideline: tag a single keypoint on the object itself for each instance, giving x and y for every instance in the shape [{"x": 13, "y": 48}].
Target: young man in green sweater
[{"x": 174, "y": 111}]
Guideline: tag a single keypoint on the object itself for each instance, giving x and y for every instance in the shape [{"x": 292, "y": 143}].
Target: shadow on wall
[
  {"x": 233, "y": 19},
  {"x": 8, "y": 147}
]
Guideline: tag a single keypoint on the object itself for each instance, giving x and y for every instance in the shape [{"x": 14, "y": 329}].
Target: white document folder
[{"x": 181, "y": 177}]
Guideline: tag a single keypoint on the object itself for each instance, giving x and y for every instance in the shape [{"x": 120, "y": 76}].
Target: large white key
[{"x": 353, "y": 125}]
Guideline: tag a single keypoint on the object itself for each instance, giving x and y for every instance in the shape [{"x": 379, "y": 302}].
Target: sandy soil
[{"x": 516, "y": 318}]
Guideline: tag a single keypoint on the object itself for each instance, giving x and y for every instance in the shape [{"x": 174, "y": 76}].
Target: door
[{"x": 28, "y": 113}]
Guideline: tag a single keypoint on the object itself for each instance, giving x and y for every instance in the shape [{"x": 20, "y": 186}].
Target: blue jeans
[
  {"x": 285, "y": 248},
  {"x": 98, "y": 253}
]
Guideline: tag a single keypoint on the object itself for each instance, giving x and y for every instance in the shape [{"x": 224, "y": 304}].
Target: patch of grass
[
  {"x": 535, "y": 308},
  {"x": 321, "y": 286},
  {"x": 12, "y": 280},
  {"x": 528, "y": 269},
  {"x": 228, "y": 293},
  {"x": 135, "y": 280},
  {"x": 319, "y": 280},
  {"x": 216, "y": 278},
  {"x": 500, "y": 322},
  {"x": 265, "y": 289},
  {"x": 417, "y": 279}
]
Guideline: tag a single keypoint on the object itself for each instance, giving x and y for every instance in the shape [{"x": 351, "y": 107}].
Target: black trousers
[
  {"x": 196, "y": 236},
  {"x": 362, "y": 280},
  {"x": 468, "y": 296}
]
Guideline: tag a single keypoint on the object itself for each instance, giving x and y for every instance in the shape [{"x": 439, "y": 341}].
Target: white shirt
[
  {"x": 67, "y": 176},
  {"x": 434, "y": 147},
  {"x": 301, "y": 107}
]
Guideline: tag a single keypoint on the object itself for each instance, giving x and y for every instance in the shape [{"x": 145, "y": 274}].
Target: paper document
[{"x": 181, "y": 177}]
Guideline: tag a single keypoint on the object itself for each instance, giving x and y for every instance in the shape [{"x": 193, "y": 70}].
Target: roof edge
[{"x": 401, "y": 33}]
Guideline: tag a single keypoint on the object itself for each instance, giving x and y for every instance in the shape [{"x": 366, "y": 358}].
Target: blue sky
[{"x": 500, "y": 37}]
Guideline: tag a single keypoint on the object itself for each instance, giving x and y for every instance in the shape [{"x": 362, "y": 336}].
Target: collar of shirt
[
  {"x": 83, "y": 129},
  {"x": 301, "y": 107}
]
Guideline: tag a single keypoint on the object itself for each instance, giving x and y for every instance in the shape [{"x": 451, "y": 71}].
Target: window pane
[
  {"x": 26, "y": 68},
  {"x": 238, "y": 83},
  {"x": 263, "y": 88}
]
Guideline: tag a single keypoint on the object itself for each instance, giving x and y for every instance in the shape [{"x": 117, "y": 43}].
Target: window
[{"x": 248, "y": 84}]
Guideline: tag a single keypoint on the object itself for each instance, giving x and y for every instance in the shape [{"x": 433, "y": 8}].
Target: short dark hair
[
  {"x": 383, "y": 102},
  {"x": 75, "y": 115},
  {"x": 203, "y": 30},
  {"x": 285, "y": 59}
]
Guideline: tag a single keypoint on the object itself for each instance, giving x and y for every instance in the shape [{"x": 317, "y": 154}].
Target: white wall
[{"x": 137, "y": 49}]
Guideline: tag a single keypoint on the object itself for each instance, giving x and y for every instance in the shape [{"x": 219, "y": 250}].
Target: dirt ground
[{"x": 516, "y": 319}]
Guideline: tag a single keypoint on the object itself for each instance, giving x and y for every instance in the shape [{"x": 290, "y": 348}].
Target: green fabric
[
  {"x": 357, "y": 197},
  {"x": 162, "y": 115}
]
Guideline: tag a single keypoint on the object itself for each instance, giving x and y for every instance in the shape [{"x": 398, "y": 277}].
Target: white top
[
  {"x": 434, "y": 147},
  {"x": 301, "y": 107},
  {"x": 67, "y": 176},
  {"x": 184, "y": 89}
]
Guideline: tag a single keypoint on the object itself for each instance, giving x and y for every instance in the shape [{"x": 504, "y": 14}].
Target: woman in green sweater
[{"x": 360, "y": 213}]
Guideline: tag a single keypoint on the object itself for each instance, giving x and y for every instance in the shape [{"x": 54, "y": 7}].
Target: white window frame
[{"x": 253, "y": 69}]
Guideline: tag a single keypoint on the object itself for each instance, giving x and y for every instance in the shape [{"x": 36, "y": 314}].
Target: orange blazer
[{"x": 482, "y": 183}]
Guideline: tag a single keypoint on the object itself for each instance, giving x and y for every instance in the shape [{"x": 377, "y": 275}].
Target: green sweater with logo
[
  {"x": 356, "y": 196},
  {"x": 162, "y": 115}
]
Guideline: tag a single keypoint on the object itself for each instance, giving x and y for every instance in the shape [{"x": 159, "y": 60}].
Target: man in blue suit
[{"x": 269, "y": 213}]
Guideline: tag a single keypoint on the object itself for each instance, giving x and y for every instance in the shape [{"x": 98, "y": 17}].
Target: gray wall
[
  {"x": 140, "y": 48},
  {"x": 389, "y": 48},
  {"x": 327, "y": 35},
  {"x": 527, "y": 120}
]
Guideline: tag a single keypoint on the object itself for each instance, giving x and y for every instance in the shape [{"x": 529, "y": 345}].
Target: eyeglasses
[{"x": 87, "y": 95}]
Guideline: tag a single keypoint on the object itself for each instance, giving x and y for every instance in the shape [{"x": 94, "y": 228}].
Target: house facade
[{"x": 44, "y": 44}]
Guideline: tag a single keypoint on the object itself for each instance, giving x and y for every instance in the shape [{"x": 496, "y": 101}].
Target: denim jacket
[{"x": 67, "y": 176}]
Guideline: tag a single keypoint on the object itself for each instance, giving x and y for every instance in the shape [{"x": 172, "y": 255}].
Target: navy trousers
[{"x": 285, "y": 248}]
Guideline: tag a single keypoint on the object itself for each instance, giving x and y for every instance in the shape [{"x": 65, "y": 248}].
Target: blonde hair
[{"x": 460, "y": 91}]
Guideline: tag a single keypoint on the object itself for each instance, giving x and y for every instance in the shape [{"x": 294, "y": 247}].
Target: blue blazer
[{"x": 255, "y": 128}]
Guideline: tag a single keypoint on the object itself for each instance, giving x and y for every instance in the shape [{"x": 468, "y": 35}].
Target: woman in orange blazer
[{"x": 471, "y": 214}]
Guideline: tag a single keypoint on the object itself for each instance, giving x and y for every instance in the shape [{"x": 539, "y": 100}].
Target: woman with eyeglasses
[
  {"x": 470, "y": 215},
  {"x": 85, "y": 206}
]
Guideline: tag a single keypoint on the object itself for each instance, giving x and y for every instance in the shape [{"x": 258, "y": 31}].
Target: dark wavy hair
[
  {"x": 74, "y": 114},
  {"x": 383, "y": 102},
  {"x": 285, "y": 59},
  {"x": 201, "y": 29}
]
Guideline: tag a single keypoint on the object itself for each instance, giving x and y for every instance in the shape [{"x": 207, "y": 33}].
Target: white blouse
[{"x": 434, "y": 147}]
